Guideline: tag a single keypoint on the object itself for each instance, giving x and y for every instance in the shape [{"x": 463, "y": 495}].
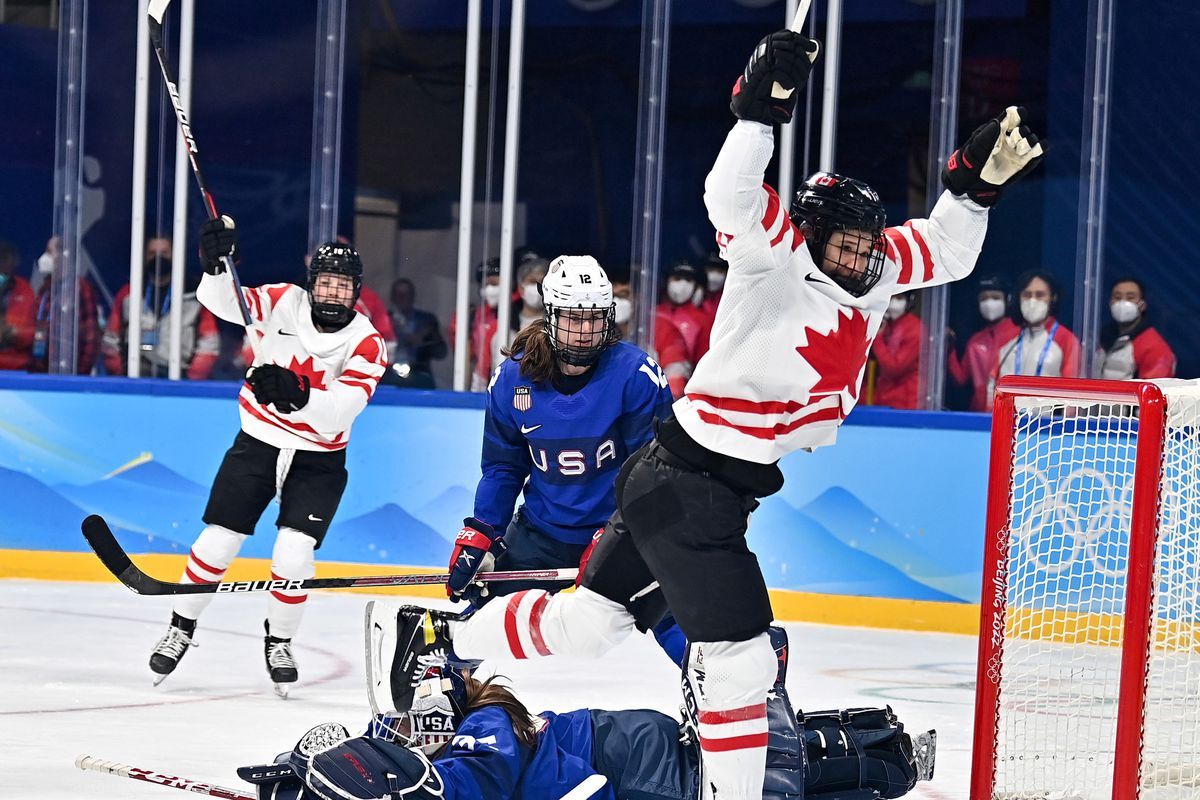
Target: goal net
[{"x": 1089, "y": 655}]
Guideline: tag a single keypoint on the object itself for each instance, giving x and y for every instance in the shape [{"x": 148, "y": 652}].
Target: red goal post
[{"x": 1088, "y": 679}]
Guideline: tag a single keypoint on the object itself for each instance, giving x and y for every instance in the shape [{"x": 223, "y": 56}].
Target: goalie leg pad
[
  {"x": 213, "y": 551},
  {"x": 534, "y": 623},
  {"x": 291, "y": 559}
]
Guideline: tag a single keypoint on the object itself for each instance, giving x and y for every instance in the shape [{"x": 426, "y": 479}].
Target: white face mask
[
  {"x": 531, "y": 295},
  {"x": 1124, "y": 311},
  {"x": 716, "y": 280},
  {"x": 45, "y": 264},
  {"x": 1034, "y": 311},
  {"x": 623, "y": 310},
  {"x": 491, "y": 295},
  {"x": 680, "y": 290},
  {"x": 896, "y": 308},
  {"x": 698, "y": 297},
  {"x": 991, "y": 309}
]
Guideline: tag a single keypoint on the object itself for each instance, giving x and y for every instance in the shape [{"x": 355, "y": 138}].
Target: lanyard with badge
[
  {"x": 149, "y": 321},
  {"x": 1041, "y": 362}
]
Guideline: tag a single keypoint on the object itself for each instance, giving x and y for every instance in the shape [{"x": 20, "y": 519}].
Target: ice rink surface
[{"x": 75, "y": 680}]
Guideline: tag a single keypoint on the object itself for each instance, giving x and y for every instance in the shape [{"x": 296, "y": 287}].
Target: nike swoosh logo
[
  {"x": 808, "y": 276},
  {"x": 314, "y": 519},
  {"x": 282, "y": 332},
  {"x": 530, "y": 429}
]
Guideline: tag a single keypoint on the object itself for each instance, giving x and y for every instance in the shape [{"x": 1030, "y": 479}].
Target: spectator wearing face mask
[
  {"x": 979, "y": 361},
  {"x": 527, "y": 300},
  {"x": 1043, "y": 346},
  {"x": 715, "y": 271},
  {"x": 17, "y": 311},
  {"x": 670, "y": 348},
  {"x": 683, "y": 279},
  {"x": 87, "y": 323},
  {"x": 484, "y": 344},
  {"x": 1130, "y": 347},
  {"x": 896, "y": 352}
]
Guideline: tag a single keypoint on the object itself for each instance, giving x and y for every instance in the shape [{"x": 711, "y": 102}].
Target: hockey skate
[
  {"x": 404, "y": 645},
  {"x": 281, "y": 664},
  {"x": 171, "y": 647}
]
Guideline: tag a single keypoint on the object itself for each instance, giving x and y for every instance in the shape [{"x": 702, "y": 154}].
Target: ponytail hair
[
  {"x": 489, "y": 693},
  {"x": 532, "y": 344}
]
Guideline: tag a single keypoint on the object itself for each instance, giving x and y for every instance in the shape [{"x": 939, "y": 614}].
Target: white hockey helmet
[{"x": 578, "y": 284}]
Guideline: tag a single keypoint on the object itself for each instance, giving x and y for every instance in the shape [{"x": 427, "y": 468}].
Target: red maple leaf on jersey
[
  {"x": 838, "y": 356},
  {"x": 316, "y": 377}
]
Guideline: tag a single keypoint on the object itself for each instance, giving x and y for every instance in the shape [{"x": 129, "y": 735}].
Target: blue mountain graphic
[
  {"x": 445, "y": 512},
  {"x": 857, "y": 525},
  {"x": 797, "y": 552},
  {"x": 36, "y": 517},
  {"x": 157, "y": 475},
  {"x": 387, "y": 535}
]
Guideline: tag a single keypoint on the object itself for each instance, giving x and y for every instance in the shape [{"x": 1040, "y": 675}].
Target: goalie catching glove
[
  {"x": 334, "y": 766},
  {"x": 779, "y": 67},
  {"x": 998, "y": 153},
  {"x": 476, "y": 549}
]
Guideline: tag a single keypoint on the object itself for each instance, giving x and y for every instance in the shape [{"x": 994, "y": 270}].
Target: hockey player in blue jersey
[
  {"x": 565, "y": 409},
  {"x": 460, "y": 738}
]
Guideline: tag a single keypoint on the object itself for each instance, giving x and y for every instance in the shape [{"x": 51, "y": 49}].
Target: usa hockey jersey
[
  {"x": 486, "y": 760},
  {"x": 789, "y": 346},
  {"x": 564, "y": 450},
  {"x": 343, "y": 367}
]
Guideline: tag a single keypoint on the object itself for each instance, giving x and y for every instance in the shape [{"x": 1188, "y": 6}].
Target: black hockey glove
[
  {"x": 779, "y": 67},
  {"x": 362, "y": 768},
  {"x": 272, "y": 383},
  {"x": 998, "y": 153},
  {"x": 275, "y": 781},
  {"x": 476, "y": 548},
  {"x": 218, "y": 238}
]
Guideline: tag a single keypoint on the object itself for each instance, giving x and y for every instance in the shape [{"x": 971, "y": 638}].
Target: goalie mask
[
  {"x": 434, "y": 717},
  {"x": 842, "y": 221},
  {"x": 579, "y": 310},
  {"x": 335, "y": 308}
]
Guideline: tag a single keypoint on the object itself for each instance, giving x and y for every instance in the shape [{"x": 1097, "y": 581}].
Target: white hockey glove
[{"x": 997, "y": 154}]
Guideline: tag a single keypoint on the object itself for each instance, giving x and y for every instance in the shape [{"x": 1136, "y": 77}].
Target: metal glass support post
[
  {"x": 648, "y": 169},
  {"x": 512, "y": 143},
  {"x": 466, "y": 195},
  {"x": 787, "y": 133},
  {"x": 68, "y": 182},
  {"x": 187, "y": 18},
  {"x": 326, "y": 161},
  {"x": 832, "y": 47},
  {"x": 137, "y": 212},
  {"x": 943, "y": 127},
  {"x": 1093, "y": 184}
]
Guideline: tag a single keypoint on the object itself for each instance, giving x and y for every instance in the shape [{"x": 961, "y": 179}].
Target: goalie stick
[
  {"x": 155, "y": 13},
  {"x": 117, "y": 561},
  {"x": 93, "y": 764}
]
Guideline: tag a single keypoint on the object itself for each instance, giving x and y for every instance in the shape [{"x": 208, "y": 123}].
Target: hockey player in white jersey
[
  {"x": 321, "y": 364},
  {"x": 805, "y": 297}
]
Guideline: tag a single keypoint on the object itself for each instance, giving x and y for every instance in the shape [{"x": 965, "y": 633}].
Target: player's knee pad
[
  {"x": 293, "y": 557},
  {"x": 585, "y": 623},
  {"x": 213, "y": 552},
  {"x": 729, "y": 675}
]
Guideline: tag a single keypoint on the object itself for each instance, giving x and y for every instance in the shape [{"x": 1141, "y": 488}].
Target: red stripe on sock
[
  {"x": 535, "y": 625},
  {"x": 510, "y": 625},
  {"x": 213, "y": 570},
  {"x": 757, "y": 711},
  {"x": 283, "y": 598},
  {"x": 194, "y": 578},
  {"x": 748, "y": 742}
]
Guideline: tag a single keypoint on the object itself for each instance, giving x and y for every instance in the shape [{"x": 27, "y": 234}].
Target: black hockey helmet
[
  {"x": 828, "y": 203},
  {"x": 339, "y": 259}
]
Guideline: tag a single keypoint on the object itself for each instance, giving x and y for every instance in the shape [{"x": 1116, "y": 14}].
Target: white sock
[
  {"x": 211, "y": 554},
  {"x": 291, "y": 559}
]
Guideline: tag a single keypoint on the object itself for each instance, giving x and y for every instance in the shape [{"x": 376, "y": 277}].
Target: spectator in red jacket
[
  {"x": 716, "y": 270},
  {"x": 201, "y": 340},
  {"x": 980, "y": 361},
  {"x": 670, "y": 348},
  {"x": 1043, "y": 346},
  {"x": 1129, "y": 346},
  {"x": 482, "y": 339},
  {"x": 897, "y": 355},
  {"x": 17, "y": 312},
  {"x": 87, "y": 312},
  {"x": 683, "y": 279}
]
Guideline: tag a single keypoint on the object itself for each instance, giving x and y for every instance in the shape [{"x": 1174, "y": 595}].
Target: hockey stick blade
[
  {"x": 117, "y": 561},
  {"x": 93, "y": 764}
]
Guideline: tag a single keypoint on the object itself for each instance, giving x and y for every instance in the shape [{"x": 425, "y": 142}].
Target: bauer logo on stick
[{"x": 522, "y": 398}]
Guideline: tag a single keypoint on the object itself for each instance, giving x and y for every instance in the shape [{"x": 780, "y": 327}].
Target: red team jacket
[
  {"x": 1141, "y": 353},
  {"x": 18, "y": 312},
  {"x": 694, "y": 323},
  {"x": 897, "y": 354},
  {"x": 1048, "y": 350},
  {"x": 979, "y": 364}
]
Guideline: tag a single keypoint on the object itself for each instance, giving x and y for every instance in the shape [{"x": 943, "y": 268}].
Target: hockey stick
[
  {"x": 155, "y": 13},
  {"x": 117, "y": 561},
  {"x": 586, "y": 788},
  {"x": 93, "y": 764},
  {"x": 797, "y": 26}
]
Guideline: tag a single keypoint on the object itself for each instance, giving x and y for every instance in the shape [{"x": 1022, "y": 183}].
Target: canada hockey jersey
[
  {"x": 343, "y": 367},
  {"x": 565, "y": 449},
  {"x": 789, "y": 346}
]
